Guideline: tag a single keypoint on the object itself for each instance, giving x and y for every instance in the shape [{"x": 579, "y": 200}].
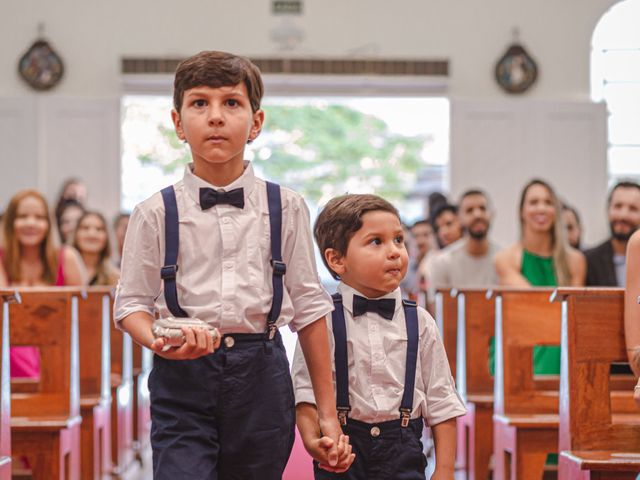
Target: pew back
[
  {"x": 592, "y": 339},
  {"x": 446, "y": 318},
  {"x": 524, "y": 319},
  {"x": 47, "y": 319},
  {"x": 6, "y": 297},
  {"x": 95, "y": 355}
]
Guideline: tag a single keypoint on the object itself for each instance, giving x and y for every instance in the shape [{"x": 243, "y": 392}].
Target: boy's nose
[{"x": 215, "y": 116}]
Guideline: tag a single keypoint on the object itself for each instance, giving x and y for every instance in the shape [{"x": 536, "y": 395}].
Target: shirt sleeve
[
  {"x": 140, "y": 281},
  {"x": 443, "y": 401},
  {"x": 310, "y": 300},
  {"x": 302, "y": 386}
]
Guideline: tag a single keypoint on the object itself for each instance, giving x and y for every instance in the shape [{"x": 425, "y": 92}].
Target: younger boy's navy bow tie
[
  {"x": 210, "y": 197},
  {"x": 383, "y": 307}
]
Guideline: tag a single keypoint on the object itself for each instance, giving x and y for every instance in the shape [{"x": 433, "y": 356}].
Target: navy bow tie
[
  {"x": 210, "y": 197},
  {"x": 383, "y": 307}
]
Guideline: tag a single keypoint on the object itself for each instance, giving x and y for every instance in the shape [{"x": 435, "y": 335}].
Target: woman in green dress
[{"x": 541, "y": 258}]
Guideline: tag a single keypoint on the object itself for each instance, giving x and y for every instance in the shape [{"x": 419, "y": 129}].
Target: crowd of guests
[
  {"x": 453, "y": 249},
  {"x": 72, "y": 247}
]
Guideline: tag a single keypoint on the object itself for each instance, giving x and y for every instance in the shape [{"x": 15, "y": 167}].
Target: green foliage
[{"x": 320, "y": 152}]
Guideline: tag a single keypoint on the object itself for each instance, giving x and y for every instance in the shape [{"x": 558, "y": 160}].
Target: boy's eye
[
  {"x": 375, "y": 241},
  {"x": 199, "y": 103},
  {"x": 232, "y": 102},
  {"x": 399, "y": 239}
]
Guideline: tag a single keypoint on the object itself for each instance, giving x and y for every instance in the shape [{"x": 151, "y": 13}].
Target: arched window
[{"x": 615, "y": 78}]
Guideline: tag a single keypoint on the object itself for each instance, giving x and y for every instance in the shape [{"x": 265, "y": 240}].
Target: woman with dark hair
[
  {"x": 91, "y": 239},
  {"x": 541, "y": 257},
  {"x": 67, "y": 218}
]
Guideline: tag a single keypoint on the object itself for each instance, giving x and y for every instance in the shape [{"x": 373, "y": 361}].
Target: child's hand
[
  {"x": 345, "y": 459},
  {"x": 331, "y": 428},
  {"x": 198, "y": 342},
  {"x": 319, "y": 449}
]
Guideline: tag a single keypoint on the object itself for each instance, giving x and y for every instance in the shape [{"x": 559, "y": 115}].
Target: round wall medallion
[
  {"x": 516, "y": 71},
  {"x": 41, "y": 67}
]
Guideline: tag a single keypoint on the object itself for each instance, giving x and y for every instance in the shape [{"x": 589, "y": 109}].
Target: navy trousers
[
  {"x": 384, "y": 451},
  {"x": 229, "y": 415}
]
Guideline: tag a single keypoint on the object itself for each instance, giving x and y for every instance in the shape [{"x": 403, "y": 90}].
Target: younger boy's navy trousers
[
  {"x": 229, "y": 415},
  {"x": 384, "y": 451}
]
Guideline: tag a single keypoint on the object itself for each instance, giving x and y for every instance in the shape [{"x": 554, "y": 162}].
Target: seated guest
[
  {"x": 572, "y": 226},
  {"x": 70, "y": 212},
  {"x": 72, "y": 189},
  {"x": 632, "y": 309},
  {"x": 120, "y": 225},
  {"x": 446, "y": 225},
  {"x": 91, "y": 239},
  {"x": 541, "y": 257},
  {"x": 30, "y": 258},
  {"x": 606, "y": 262},
  {"x": 424, "y": 244},
  {"x": 469, "y": 261}
]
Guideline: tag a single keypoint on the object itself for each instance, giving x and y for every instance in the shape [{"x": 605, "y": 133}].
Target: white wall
[{"x": 92, "y": 36}]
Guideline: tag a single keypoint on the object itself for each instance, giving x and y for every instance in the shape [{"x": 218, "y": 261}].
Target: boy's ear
[
  {"x": 335, "y": 260},
  {"x": 177, "y": 123},
  {"x": 256, "y": 127}
]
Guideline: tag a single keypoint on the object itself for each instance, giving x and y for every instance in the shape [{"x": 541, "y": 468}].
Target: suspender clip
[
  {"x": 169, "y": 272},
  {"x": 343, "y": 412},
  {"x": 405, "y": 416},
  {"x": 271, "y": 330},
  {"x": 279, "y": 268}
]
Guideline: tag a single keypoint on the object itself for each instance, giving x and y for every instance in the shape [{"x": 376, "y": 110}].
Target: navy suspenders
[
  {"x": 172, "y": 242},
  {"x": 341, "y": 361}
]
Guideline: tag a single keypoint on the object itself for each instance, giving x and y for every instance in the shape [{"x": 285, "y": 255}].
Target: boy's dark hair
[
  {"x": 447, "y": 207},
  {"x": 217, "y": 69},
  {"x": 622, "y": 184},
  {"x": 341, "y": 218}
]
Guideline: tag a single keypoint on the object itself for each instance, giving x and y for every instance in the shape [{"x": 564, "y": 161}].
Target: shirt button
[
  {"x": 228, "y": 342},
  {"x": 375, "y": 432},
  {"x": 226, "y": 307},
  {"x": 228, "y": 265},
  {"x": 225, "y": 220}
]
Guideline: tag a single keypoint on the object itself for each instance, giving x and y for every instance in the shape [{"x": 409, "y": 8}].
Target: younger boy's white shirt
[
  {"x": 224, "y": 274},
  {"x": 376, "y": 350}
]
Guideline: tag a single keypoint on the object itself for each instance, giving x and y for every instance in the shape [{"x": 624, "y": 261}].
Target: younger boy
[
  {"x": 391, "y": 371},
  {"x": 216, "y": 246}
]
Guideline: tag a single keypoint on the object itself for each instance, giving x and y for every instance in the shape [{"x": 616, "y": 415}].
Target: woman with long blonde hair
[{"x": 30, "y": 258}]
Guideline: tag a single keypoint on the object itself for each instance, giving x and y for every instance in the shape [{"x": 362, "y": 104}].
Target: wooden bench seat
[
  {"x": 599, "y": 421},
  {"x": 95, "y": 392},
  {"x": 525, "y": 417},
  {"x": 6, "y": 297},
  {"x": 475, "y": 328},
  {"x": 45, "y": 423}
]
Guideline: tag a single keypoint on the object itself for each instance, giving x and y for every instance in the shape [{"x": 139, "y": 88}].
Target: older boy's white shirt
[
  {"x": 224, "y": 275},
  {"x": 376, "y": 350}
]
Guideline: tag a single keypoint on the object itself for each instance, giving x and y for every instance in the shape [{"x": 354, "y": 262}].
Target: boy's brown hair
[
  {"x": 341, "y": 218},
  {"x": 217, "y": 69}
]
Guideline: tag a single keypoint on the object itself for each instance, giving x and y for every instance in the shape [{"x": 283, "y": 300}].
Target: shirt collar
[
  {"x": 348, "y": 292},
  {"x": 193, "y": 183}
]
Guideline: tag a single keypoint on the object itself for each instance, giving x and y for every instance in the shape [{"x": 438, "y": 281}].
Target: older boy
[
  {"x": 215, "y": 246},
  {"x": 391, "y": 370}
]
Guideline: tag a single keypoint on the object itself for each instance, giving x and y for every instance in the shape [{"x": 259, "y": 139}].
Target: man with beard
[
  {"x": 468, "y": 262},
  {"x": 606, "y": 263}
]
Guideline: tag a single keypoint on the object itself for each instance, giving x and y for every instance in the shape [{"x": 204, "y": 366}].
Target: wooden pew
[
  {"x": 142, "y": 364},
  {"x": 525, "y": 417},
  {"x": 124, "y": 464},
  {"x": 6, "y": 297},
  {"x": 95, "y": 388},
  {"x": 474, "y": 381},
  {"x": 595, "y": 444},
  {"x": 45, "y": 420},
  {"x": 446, "y": 319}
]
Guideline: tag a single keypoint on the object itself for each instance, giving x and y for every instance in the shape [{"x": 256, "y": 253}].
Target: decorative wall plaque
[{"x": 41, "y": 67}]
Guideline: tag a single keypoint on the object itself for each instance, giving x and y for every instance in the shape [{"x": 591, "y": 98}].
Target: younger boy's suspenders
[
  {"x": 172, "y": 242},
  {"x": 341, "y": 360}
]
